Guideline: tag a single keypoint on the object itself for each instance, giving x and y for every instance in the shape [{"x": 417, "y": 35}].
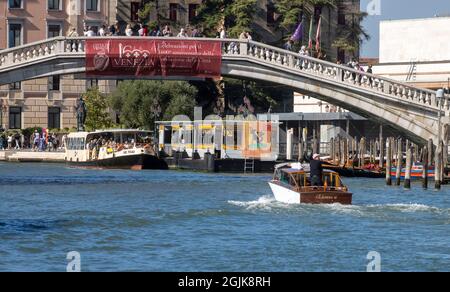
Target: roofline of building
[{"x": 415, "y": 19}]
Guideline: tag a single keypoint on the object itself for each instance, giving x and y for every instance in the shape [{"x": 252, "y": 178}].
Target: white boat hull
[{"x": 284, "y": 195}]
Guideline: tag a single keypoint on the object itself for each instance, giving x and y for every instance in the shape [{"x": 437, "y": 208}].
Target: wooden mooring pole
[
  {"x": 399, "y": 162},
  {"x": 425, "y": 168},
  {"x": 388, "y": 162},
  {"x": 407, "y": 183},
  {"x": 437, "y": 167}
]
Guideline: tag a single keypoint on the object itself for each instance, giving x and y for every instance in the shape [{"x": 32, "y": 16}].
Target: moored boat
[
  {"x": 416, "y": 172},
  {"x": 125, "y": 149},
  {"x": 355, "y": 171},
  {"x": 292, "y": 185}
]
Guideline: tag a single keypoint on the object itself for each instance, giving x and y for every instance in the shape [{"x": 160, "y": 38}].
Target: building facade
[
  {"x": 416, "y": 51},
  {"x": 46, "y": 102}
]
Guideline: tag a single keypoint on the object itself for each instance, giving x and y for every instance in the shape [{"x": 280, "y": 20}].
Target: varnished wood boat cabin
[{"x": 293, "y": 186}]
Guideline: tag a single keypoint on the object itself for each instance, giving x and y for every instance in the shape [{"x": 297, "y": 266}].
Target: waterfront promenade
[{"x": 31, "y": 156}]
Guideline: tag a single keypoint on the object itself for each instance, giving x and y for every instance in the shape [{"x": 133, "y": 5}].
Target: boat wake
[{"x": 268, "y": 203}]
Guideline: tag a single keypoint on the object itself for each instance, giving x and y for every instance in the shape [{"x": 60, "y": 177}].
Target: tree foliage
[
  {"x": 98, "y": 116},
  {"x": 236, "y": 16},
  {"x": 141, "y": 102},
  {"x": 291, "y": 11},
  {"x": 352, "y": 34}
]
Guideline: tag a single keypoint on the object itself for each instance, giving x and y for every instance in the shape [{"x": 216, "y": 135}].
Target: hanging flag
[
  {"x": 310, "y": 42},
  {"x": 318, "y": 35},
  {"x": 298, "y": 34}
]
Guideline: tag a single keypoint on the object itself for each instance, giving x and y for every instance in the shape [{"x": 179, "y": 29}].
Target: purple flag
[{"x": 298, "y": 34}]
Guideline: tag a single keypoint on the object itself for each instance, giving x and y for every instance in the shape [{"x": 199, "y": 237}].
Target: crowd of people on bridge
[{"x": 138, "y": 30}]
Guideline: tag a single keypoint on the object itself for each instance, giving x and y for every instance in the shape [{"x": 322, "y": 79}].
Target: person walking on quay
[
  {"x": 316, "y": 170},
  {"x": 2, "y": 142},
  {"x": 36, "y": 139},
  {"x": 17, "y": 141},
  {"x": 10, "y": 140}
]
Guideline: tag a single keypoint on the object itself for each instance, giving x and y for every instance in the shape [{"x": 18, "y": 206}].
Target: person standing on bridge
[
  {"x": 223, "y": 33},
  {"x": 72, "y": 33},
  {"x": 128, "y": 31},
  {"x": 288, "y": 45},
  {"x": 182, "y": 34},
  {"x": 167, "y": 32}
]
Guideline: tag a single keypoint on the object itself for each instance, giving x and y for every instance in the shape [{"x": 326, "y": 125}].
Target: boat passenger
[{"x": 316, "y": 170}]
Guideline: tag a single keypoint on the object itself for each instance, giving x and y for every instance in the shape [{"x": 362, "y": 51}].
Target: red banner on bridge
[{"x": 153, "y": 58}]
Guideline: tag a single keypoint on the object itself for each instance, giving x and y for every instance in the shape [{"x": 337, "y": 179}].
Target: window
[
  {"x": 341, "y": 17},
  {"x": 134, "y": 11},
  {"x": 270, "y": 13},
  {"x": 75, "y": 144},
  {"x": 173, "y": 7},
  {"x": 15, "y": 35},
  {"x": 15, "y": 118},
  {"x": 341, "y": 55},
  {"x": 15, "y": 86},
  {"x": 54, "y": 82},
  {"x": 15, "y": 4},
  {"x": 317, "y": 13},
  {"x": 192, "y": 11},
  {"x": 92, "y": 5},
  {"x": 54, "y": 4},
  {"x": 54, "y": 30},
  {"x": 54, "y": 118}
]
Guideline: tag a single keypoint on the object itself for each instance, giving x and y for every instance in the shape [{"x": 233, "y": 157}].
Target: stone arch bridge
[{"x": 414, "y": 111}]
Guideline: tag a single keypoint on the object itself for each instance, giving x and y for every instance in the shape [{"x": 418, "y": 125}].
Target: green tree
[
  {"x": 98, "y": 116},
  {"x": 352, "y": 34},
  {"x": 292, "y": 10},
  {"x": 236, "y": 16},
  {"x": 141, "y": 102}
]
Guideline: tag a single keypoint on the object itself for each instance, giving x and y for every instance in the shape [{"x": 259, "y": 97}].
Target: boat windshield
[{"x": 331, "y": 179}]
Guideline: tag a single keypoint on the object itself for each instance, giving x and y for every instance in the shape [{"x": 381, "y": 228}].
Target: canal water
[{"x": 184, "y": 221}]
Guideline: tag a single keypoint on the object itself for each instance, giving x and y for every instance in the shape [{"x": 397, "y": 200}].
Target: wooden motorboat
[
  {"x": 416, "y": 171},
  {"x": 292, "y": 185}
]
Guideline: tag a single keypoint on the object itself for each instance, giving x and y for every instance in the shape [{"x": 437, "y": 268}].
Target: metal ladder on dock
[{"x": 249, "y": 165}]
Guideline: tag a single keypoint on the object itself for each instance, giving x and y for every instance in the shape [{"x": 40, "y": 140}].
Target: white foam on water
[
  {"x": 266, "y": 202},
  {"x": 409, "y": 208}
]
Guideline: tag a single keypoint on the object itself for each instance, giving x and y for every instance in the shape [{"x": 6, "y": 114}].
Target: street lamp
[{"x": 440, "y": 97}]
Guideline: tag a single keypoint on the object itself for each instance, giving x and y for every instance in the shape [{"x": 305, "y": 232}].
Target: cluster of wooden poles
[
  {"x": 345, "y": 152},
  {"x": 426, "y": 156},
  {"x": 357, "y": 153}
]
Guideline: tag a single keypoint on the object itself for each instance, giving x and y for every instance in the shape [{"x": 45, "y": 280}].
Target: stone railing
[
  {"x": 272, "y": 56},
  {"x": 336, "y": 73}
]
